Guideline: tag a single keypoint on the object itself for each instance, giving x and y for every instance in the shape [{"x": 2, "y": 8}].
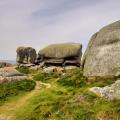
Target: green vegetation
[
  {"x": 8, "y": 90},
  {"x": 44, "y": 77},
  {"x": 69, "y": 99},
  {"x": 103, "y": 81},
  {"x": 73, "y": 79},
  {"x": 24, "y": 70}
]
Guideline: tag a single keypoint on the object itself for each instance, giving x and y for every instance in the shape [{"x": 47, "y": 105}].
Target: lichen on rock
[
  {"x": 110, "y": 92},
  {"x": 26, "y": 55},
  {"x": 59, "y": 53},
  {"x": 102, "y": 57}
]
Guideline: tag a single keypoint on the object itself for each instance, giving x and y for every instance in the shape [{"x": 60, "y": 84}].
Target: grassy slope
[
  {"x": 9, "y": 90},
  {"x": 63, "y": 98},
  {"x": 9, "y": 107},
  {"x": 68, "y": 98},
  {"x": 13, "y": 95}
]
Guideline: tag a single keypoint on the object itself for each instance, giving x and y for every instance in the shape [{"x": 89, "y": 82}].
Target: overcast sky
[{"x": 38, "y": 23}]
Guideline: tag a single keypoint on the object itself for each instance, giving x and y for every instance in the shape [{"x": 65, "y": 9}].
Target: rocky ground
[{"x": 9, "y": 74}]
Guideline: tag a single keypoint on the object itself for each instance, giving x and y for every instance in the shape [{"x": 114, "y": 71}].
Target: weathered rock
[
  {"x": 12, "y": 79},
  {"x": 71, "y": 62},
  {"x": 58, "y": 53},
  {"x": 61, "y": 50},
  {"x": 70, "y": 67},
  {"x": 9, "y": 72},
  {"x": 20, "y": 54},
  {"x": 26, "y": 55},
  {"x": 110, "y": 92},
  {"x": 53, "y": 69},
  {"x": 4, "y": 64},
  {"x": 37, "y": 67},
  {"x": 102, "y": 57},
  {"x": 54, "y": 61}
]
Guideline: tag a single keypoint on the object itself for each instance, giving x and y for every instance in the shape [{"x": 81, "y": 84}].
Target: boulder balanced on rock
[
  {"x": 102, "y": 57},
  {"x": 26, "y": 55},
  {"x": 67, "y": 53}
]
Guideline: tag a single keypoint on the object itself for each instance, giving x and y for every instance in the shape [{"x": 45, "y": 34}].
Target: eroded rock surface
[
  {"x": 4, "y": 64},
  {"x": 26, "y": 55},
  {"x": 110, "y": 92},
  {"x": 9, "y": 74},
  {"x": 102, "y": 57},
  {"x": 67, "y": 53},
  {"x": 12, "y": 78},
  {"x": 53, "y": 69}
]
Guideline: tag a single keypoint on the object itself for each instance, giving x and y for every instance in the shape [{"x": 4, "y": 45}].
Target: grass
[
  {"x": 24, "y": 70},
  {"x": 8, "y": 90},
  {"x": 69, "y": 99},
  {"x": 44, "y": 77},
  {"x": 73, "y": 79}
]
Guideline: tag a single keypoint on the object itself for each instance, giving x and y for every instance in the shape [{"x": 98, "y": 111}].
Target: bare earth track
[{"x": 8, "y": 109}]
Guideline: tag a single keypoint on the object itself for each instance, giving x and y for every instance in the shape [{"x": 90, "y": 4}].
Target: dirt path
[
  {"x": 7, "y": 111},
  {"x": 46, "y": 84}
]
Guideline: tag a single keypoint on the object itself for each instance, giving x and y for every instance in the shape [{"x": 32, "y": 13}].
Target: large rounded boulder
[
  {"x": 61, "y": 50},
  {"x": 65, "y": 53},
  {"x": 26, "y": 55},
  {"x": 102, "y": 57}
]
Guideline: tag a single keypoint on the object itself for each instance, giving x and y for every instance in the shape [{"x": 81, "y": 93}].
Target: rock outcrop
[
  {"x": 67, "y": 53},
  {"x": 12, "y": 79},
  {"x": 110, "y": 92},
  {"x": 102, "y": 57},
  {"x": 26, "y": 55},
  {"x": 9, "y": 74},
  {"x": 4, "y": 64}
]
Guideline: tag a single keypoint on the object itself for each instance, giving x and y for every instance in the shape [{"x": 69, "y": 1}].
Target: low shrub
[
  {"x": 102, "y": 81},
  {"x": 74, "y": 79},
  {"x": 14, "y": 88},
  {"x": 42, "y": 76},
  {"x": 24, "y": 70},
  {"x": 84, "y": 114}
]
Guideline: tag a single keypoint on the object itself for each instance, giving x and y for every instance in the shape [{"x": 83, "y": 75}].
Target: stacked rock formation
[
  {"x": 57, "y": 54},
  {"x": 26, "y": 55},
  {"x": 67, "y": 53},
  {"x": 102, "y": 57}
]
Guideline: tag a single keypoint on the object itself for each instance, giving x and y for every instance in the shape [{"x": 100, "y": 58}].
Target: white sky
[{"x": 37, "y": 23}]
